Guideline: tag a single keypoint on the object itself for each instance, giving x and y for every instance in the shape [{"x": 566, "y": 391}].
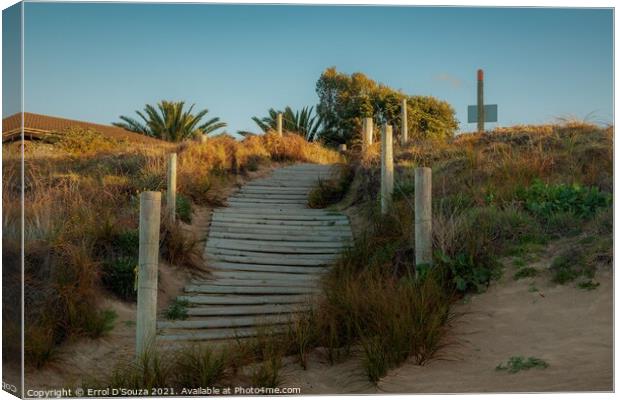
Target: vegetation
[
  {"x": 177, "y": 309},
  {"x": 519, "y": 363},
  {"x": 169, "y": 121},
  {"x": 332, "y": 190},
  {"x": 81, "y": 222},
  {"x": 303, "y": 122},
  {"x": 345, "y": 99}
]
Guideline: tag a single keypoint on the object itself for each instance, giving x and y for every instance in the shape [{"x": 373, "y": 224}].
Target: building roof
[{"x": 36, "y": 126}]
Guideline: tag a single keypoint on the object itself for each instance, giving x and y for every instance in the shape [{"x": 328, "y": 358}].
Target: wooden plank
[
  {"x": 245, "y": 200},
  {"x": 224, "y": 322},
  {"x": 271, "y": 246},
  {"x": 215, "y": 289},
  {"x": 226, "y": 263},
  {"x": 291, "y": 258},
  {"x": 277, "y": 211},
  {"x": 215, "y": 334},
  {"x": 283, "y": 230},
  {"x": 271, "y": 195},
  {"x": 258, "y": 221},
  {"x": 247, "y": 310},
  {"x": 343, "y": 238},
  {"x": 238, "y": 300},
  {"x": 258, "y": 282},
  {"x": 277, "y": 217},
  {"x": 273, "y": 276}
]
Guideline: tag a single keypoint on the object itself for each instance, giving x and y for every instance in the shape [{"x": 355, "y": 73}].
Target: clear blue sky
[{"x": 95, "y": 62}]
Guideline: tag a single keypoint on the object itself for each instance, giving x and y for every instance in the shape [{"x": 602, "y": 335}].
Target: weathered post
[
  {"x": 404, "y": 136},
  {"x": 342, "y": 147},
  {"x": 387, "y": 169},
  {"x": 480, "y": 101},
  {"x": 171, "y": 194},
  {"x": 148, "y": 260},
  {"x": 202, "y": 139},
  {"x": 279, "y": 124},
  {"x": 423, "y": 217},
  {"x": 367, "y": 131}
]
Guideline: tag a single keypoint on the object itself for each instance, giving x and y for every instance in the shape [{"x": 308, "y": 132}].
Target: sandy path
[{"x": 569, "y": 328}]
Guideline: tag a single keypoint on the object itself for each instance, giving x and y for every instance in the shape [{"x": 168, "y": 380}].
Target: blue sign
[{"x": 490, "y": 113}]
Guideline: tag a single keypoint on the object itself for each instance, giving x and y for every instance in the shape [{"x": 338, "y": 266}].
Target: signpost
[{"x": 481, "y": 112}]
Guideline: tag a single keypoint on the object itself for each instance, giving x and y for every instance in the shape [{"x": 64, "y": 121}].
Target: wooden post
[
  {"x": 404, "y": 135},
  {"x": 480, "y": 101},
  {"x": 367, "y": 131},
  {"x": 202, "y": 139},
  {"x": 387, "y": 169},
  {"x": 171, "y": 194},
  {"x": 423, "y": 217},
  {"x": 279, "y": 124},
  {"x": 342, "y": 147},
  {"x": 148, "y": 260}
]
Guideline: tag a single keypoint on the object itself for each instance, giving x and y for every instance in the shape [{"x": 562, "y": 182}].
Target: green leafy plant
[
  {"x": 466, "y": 274},
  {"x": 519, "y": 363},
  {"x": 544, "y": 200},
  {"x": 168, "y": 120},
  {"x": 177, "y": 310},
  {"x": 302, "y": 122}
]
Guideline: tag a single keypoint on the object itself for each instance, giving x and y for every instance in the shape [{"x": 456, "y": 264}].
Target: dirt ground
[{"x": 569, "y": 328}]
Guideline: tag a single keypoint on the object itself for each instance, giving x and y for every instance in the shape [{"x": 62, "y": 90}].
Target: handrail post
[
  {"x": 423, "y": 217},
  {"x": 171, "y": 194},
  {"x": 387, "y": 169},
  {"x": 279, "y": 124},
  {"x": 148, "y": 261}
]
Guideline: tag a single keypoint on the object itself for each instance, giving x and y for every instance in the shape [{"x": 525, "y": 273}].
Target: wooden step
[
  {"x": 247, "y": 310},
  {"x": 214, "y": 289},
  {"x": 248, "y": 299},
  {"x": 214, "y": 334},
  {"x": 270, "y": 276},
  {"x": 224, "y": 263},
  {"x": 224, "y": 322}
]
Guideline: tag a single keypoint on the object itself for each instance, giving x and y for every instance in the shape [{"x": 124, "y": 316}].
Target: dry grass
[{"x": 81, "y": 219}]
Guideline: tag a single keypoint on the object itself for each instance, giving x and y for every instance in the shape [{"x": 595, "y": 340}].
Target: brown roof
[{"x": 37, "y": 125}]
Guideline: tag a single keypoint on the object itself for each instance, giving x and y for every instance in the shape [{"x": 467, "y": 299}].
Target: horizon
[{"x": 554, "y": 63}]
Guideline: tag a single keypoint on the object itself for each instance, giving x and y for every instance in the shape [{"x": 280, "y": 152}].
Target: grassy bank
[
  {"x": 81, "y": 221},
  {"x": 497, "y": 195}
]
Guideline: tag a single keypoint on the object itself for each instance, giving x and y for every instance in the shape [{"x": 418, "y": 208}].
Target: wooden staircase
[{"x": 267, "y": 251}]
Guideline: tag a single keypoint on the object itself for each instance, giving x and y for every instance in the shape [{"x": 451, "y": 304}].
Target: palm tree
[
  {"x": 168, "y": 121},
  {"x": 301, "y": 122}
]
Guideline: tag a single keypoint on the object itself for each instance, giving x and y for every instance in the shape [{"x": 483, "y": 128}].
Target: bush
[
  {"x": 544, "y": 200},
  {"x": 184, "y": 209},
  {"x": 177, "y": 310},
  {"x": 570, "y": 265},
  {"x": 119, "y": 277},
  {"x": 331, "y": 191}
]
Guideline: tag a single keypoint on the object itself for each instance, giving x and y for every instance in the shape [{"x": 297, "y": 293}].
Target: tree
[
  {"x": 302, "y": 122},
  {"x": 345, "y": 99},
  {"x": 169, "y": 121}
]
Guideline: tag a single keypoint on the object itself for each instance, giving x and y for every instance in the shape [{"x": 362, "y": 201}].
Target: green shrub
[
  {"x": 570, "y": 265},
  {"x": 467, "y": 275},
  {"x": 544, "y": 200},
  {"x": 119, "y": 277},
  {"x": 516, "y": 364},
  {"x": 184, "y": 209},
  {"x": 177, "y": 310},
  {"x": 588, "y": 285}
]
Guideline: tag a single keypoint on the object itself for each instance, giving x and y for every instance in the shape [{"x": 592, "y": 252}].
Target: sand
[{"x": 570, "y": 328}]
